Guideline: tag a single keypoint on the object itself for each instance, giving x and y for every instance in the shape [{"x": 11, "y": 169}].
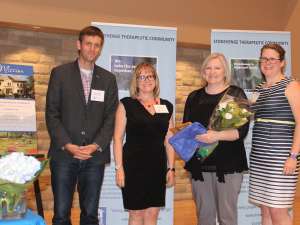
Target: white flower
[
  {"x": 244, "y": 110},
  {"x": 228, "y": 116},
  {"x": 222, "y": 105},
  {"x": 18, "y": 168}
]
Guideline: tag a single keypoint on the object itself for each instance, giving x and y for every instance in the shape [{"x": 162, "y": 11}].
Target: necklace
[{"x": 148, "y": 104}]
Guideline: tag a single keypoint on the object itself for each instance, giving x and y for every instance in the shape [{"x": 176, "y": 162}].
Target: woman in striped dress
[{"x": 274, "y": 164}]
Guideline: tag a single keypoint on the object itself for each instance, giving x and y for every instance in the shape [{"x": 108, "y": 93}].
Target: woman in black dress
[{"x": 145, "y": 164}]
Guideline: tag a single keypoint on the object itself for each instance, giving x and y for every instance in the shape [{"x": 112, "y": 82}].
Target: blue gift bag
[{"x": 184, "y": 142}]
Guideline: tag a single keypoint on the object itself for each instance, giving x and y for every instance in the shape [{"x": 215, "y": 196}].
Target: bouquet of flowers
[
  {"x": 230, "y": 113},
  {"x": 17, "y": 172}
]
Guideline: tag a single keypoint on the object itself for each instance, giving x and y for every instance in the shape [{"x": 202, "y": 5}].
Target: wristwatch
[{"x": 293, "y": 155}]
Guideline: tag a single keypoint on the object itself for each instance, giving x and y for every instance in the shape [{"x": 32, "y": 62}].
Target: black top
[
  {"x": 229, "y": 156},
  {"x": 144, "y": 155}
]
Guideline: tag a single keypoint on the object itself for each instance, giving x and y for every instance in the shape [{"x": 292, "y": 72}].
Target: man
[{"x": 80, "y": 108}]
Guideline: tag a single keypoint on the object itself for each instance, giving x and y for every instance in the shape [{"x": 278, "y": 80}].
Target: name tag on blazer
[
  {"x": 97, "y": 95},
  {"x": 160, "y": 108}
]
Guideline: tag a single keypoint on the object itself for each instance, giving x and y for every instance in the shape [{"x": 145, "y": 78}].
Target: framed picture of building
[{"x": 17, "y": 114}]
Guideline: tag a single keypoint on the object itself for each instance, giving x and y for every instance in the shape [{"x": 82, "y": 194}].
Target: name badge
[
  {"x": 160, "y": 109},
  {"x": 97, "y": 95}
]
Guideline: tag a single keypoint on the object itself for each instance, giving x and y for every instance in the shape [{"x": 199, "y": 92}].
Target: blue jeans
[{"x": 64, "y": 177}]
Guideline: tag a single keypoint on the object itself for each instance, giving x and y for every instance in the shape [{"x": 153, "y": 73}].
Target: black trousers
[{"x": 88, "y": 177}]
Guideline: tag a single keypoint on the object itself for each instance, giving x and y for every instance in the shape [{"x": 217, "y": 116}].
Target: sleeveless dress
[
  {"x": 271, "y": 144},
  {"x": 144, "y": 155}
]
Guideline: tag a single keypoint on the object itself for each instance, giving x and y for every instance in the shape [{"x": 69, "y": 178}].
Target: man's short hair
[{"x": 91, "y": 31}]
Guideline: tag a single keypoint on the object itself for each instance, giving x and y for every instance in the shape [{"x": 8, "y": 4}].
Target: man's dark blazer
[{"x": 70, "y": 120}]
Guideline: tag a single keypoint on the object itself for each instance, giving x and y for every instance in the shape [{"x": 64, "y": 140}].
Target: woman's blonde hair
[
  {"x": 224, "y": 63},
  {"x": 134, "y": 90}
]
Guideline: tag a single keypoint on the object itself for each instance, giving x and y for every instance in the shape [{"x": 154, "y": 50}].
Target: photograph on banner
[
  {"x": 123, "y": 67},
  {"x": 16, "y": 86},
  {"x": 17, "y": 103},
  {"x": 18, "y": 141},
  {"x": 245, "y": 73}
]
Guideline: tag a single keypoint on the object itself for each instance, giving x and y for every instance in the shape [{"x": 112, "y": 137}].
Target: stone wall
[
  {"x": 46, "y": 50},
  {"x": 188, "y": 65},
  {"x": 43, "y": 51}
]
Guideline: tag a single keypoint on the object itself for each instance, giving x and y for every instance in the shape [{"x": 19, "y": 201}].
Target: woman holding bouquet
[
  {"x": 216, "y": 182},
  {"x": 274, "y": 161},
  {"x": 145, "y": 164}
]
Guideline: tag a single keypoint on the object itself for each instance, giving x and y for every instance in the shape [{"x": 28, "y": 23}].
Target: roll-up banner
[
  {"x": 125, "y": 46},
  {"x": 242, "y": 50}
]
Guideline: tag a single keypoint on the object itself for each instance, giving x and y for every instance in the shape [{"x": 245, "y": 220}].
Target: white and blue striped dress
[{"x": 271, "y": 145}]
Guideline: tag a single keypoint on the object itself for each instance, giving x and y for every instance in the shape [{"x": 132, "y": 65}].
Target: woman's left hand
[
  {"x": 289, "y": 166},
  {"x": 209, "y": 137},
  {"x": 170, "y": 178}
]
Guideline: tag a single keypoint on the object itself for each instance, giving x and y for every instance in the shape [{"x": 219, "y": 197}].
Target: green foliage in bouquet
[{"x": 205, "y": 151}]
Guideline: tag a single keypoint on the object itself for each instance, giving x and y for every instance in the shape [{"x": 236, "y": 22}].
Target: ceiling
[{"x": 188, "y": 15}]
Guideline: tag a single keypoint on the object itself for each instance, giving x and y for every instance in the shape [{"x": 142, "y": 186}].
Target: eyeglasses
[
  {"x": 265, "y": 60},
  {"x": 144, "y": 77}
]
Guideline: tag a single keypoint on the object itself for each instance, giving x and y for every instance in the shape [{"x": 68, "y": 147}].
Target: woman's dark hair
[{"x": 276, "y": 47}]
